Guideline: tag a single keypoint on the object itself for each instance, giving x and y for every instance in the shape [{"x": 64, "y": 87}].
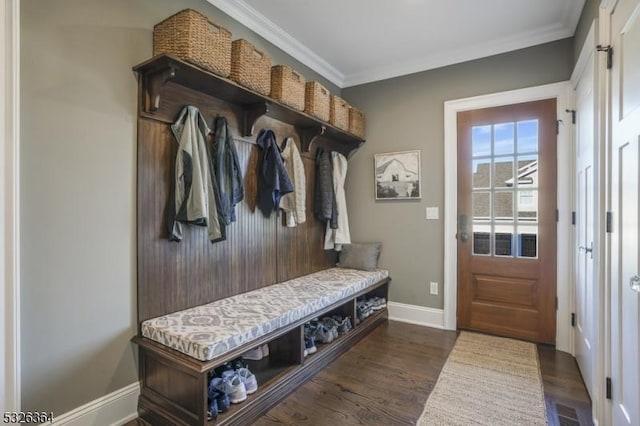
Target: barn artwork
[{"x": 397, "y": 175}]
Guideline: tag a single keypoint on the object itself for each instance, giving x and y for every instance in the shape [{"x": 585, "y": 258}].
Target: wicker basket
[
  {"x": 194, "y": 38},
  {"x": 317, "y": 100},
  {"x": 287, "y": 86},
  {"x": 339, "y": 113},
  {"x": 250, "y": 67},
  {"x": 356, "y": 122}
]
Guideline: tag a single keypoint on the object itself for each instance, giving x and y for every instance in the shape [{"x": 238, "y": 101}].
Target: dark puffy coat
[
  {"x": 273, "y": 180},
  {"x": 324, "y": 206}
]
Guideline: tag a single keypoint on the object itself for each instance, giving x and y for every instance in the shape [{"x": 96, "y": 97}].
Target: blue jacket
[
  {"x": 227, "y": 171},
  {"x": 273, "y": 180}
]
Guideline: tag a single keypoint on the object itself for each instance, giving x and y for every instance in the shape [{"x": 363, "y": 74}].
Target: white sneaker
[
  {"x": 236, "y": 390},
  {"x": 249, "y": 380},
  {"x": 254, "y": 354}
]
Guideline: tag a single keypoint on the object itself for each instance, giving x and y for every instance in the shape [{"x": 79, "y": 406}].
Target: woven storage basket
[
  {"x": 287, "y": 86},
  {"x": 339, "y": 113},
  {"x": 250, "y": 67},
  {"x": 317, "y": 100},
  {"x": 194, "y": 38},
  {"x": 356, "y": 122}
]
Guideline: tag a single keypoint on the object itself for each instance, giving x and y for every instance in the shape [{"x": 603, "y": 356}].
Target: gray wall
[
  {"x": 589, "y": 13},
  {"x": 407, "y": 113},
  {"x": 78, "y": 191}
]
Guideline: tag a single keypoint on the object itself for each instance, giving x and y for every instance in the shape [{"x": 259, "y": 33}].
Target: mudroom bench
[{"x": 179, "y": 350}]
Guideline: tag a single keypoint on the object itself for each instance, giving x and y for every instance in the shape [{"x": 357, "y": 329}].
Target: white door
[
  {"x": 586, "y": 292},
  {"x": 625, "y": 185}
]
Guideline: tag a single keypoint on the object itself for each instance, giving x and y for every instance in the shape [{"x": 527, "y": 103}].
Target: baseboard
[
  {"x": 419, "y": 315},
  {"x": 114, "y": 409}
]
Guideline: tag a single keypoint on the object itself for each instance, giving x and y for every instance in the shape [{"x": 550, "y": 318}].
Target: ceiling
[{"x": 351, "y": 42}]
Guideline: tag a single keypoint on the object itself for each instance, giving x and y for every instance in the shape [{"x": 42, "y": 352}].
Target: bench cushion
[{"x": 209, "y": 331}]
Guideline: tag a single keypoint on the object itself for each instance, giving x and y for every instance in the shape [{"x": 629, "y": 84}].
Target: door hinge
[
  {"x": 609, "y": 224},
  {"x": 558, "y": 126},
  {"x": 556, "y": 303},
  {"x": 573, "y": 115},
  {"x": 573, "y": 218},
  {"x": 609, "y": 50},
  {"x": 557, "y": 215},
  {"x": 573, "y": 319},
  {"x": 608, "y": 385}
]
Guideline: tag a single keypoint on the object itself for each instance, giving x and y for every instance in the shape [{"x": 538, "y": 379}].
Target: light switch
[{"x": 432, "y": 213}]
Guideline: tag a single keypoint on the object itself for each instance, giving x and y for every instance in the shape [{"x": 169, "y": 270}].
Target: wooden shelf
[{"x": 159, "y": 70}]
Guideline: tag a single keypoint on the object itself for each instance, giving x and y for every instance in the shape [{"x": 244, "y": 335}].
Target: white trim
[
  {"x": 115, "y": 409},
  {"x": 255, "y": 21},
  {"x": 419, "y": 315},
  {"x": 562, "y": 92},
  {"x": 9, "y": 205}
]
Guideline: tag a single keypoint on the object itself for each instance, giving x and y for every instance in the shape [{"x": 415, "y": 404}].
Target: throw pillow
[{"x": 363, "y": 256}]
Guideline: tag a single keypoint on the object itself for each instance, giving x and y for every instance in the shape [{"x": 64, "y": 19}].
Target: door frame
[
  {"x": 563, "y": 92},
  {"x": 10, "y": 387}
]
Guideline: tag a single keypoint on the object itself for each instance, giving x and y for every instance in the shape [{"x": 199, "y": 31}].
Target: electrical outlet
[{"x": 434, "y": 288}]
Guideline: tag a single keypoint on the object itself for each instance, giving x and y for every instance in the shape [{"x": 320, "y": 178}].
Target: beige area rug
[{"x": 487, "y": 380}]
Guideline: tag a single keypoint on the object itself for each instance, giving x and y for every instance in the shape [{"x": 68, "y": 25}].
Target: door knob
[
  {"x": 462, "y": 227},
  {"x": 634, "y": 283},
  {"x": 587, "y": 249}
]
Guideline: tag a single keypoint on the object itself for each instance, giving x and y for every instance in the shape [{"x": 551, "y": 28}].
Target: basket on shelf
[
  {"x": 250, "y": 67},
  {"x": 287, "y": 86},
  {"x": 339, "y": 113},
  {"x": 317, "y": 100},
  {"x": 192, "y": 37},
  {"x": 356, "y": 122}
]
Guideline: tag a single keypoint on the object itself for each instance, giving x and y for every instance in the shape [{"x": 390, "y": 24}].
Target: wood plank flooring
[{"x": 386, "y": 378}]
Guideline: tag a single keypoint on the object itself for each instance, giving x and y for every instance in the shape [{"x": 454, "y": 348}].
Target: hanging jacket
[
  {"x": 324, "y": 206},
  {"x": 227, "y": 171},
  {"x": 294, "y": 203},
  {"x": 334, "y": 238},
  {"x": 193, "y": 195},
  {"x": 273, "y": 180}
]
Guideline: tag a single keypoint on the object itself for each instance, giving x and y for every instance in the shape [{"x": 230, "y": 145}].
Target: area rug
[{"x": 487, "y": 380}]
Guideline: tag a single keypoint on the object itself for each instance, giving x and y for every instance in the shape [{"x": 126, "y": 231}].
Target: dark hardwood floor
[{"x": 386, "y": 378}]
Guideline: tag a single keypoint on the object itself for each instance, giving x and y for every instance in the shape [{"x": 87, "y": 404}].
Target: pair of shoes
[
  {"x": 378, "y": 303},
  {"x": 235, "y": 380},
  {"x": 332, "y": 325},
  {"x": 256, "y": 354},
  {"x": 344, "y": 324},
  {"x": 364, "y": 309},
  {"x": 319, "y": 331}
]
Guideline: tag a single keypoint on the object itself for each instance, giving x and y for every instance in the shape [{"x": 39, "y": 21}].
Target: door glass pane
[
  {"x": 481, "y": 206},
  {"x": 482, "y": 173},
  {"x": 527, "y": 171},
  {"x": 528, "y": 205},
  {"x": 527, "y": 136},
  {"x": 503, "y": 172},
  {"x": 503, "y": 138},
  {"x": 503, "y": 202},
  {"x": 481, "y": 239},
  {"x": 503, "y": 240},
  {"x": 527, "y": 240},
  {"x": 481, "y": 140}
]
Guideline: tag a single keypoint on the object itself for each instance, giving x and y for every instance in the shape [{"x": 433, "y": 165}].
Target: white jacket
[
  {"x": 334, "y": 238},
  {"x": 294, "y": 204}
]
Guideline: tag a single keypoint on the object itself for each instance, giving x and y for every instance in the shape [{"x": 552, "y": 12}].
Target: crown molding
[
  {"x": 255, "y": 21},
  {"x": 467, "y": 53}
]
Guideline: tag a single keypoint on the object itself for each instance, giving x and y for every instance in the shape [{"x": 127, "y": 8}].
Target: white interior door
[
  {"x": 625, "y": 185},
  {"x": 587, "y": 312}
]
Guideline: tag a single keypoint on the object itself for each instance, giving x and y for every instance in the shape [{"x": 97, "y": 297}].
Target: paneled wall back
[{"x": 258, "y": 251}]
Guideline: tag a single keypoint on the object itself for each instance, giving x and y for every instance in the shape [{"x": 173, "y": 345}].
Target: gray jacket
[
  {"x": 227, "y": 171},
  {"x": 193, "y": 197}
]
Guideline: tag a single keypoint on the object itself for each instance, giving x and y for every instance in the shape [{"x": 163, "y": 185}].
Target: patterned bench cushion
[{"x": 208, "y": 331}]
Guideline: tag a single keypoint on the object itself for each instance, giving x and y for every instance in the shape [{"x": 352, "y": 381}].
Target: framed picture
[{"x": 397, "y": 175}]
